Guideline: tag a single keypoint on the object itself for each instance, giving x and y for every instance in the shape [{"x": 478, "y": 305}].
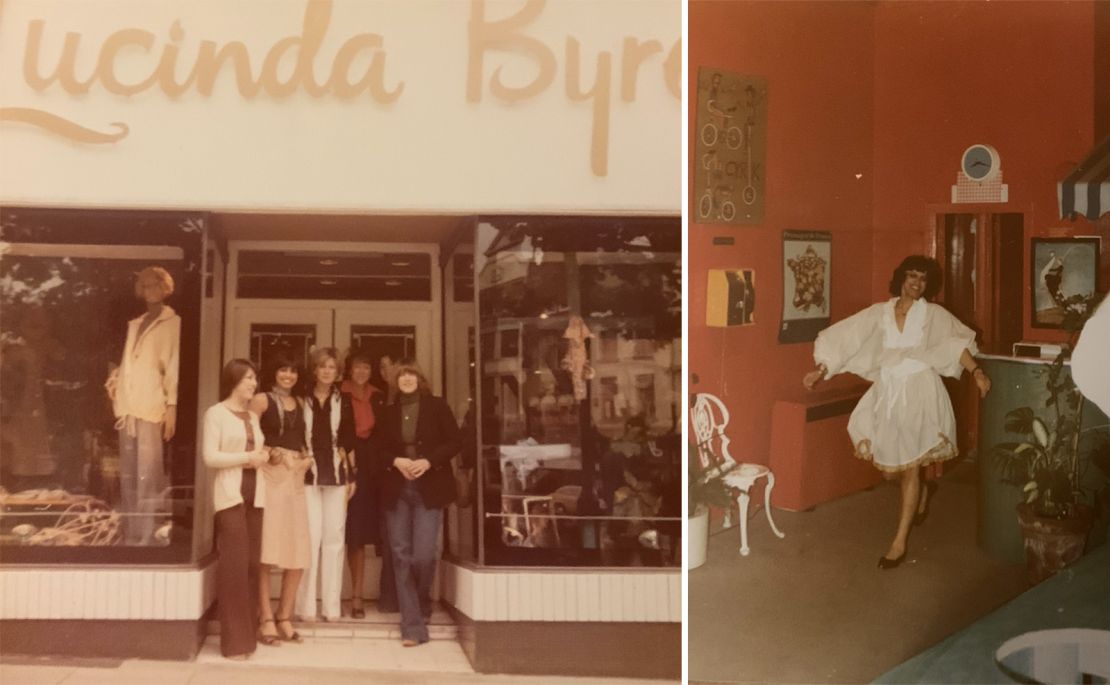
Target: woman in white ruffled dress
[{"x": 905, "y": 421}]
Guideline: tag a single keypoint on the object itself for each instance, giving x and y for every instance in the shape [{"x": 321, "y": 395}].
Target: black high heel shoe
[
  {"x": 886, "y": 563},
  {"x": 931, "y": 489}
]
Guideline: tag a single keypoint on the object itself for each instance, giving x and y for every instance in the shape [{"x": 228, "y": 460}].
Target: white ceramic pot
[{"x": 697, "y": 537}]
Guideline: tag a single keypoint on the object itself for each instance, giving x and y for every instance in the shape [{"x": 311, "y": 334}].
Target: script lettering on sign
[{"x": 586, "y": 80}]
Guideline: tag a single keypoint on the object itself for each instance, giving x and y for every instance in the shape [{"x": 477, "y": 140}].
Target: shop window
[
  {"x": 579, "y": 320},
  {"x": 70, "y": 492}
]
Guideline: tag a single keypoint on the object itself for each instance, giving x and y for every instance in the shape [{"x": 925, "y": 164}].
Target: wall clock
[{"x": 980, "y": 162}]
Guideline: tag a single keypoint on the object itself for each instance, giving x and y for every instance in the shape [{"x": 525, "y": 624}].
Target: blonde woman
[{"x": 330, "y": 482}]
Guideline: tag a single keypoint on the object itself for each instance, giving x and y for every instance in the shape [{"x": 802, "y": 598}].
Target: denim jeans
[
  {"x": 141, "y": 479},
  {"x": 387, "y": 585},
  {"x": 414, "y": 539}
]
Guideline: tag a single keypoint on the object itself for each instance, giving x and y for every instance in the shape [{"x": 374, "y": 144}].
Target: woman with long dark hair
[
  {"x": 330, "y": 482},
  {"x": 285, "y": 539},
  {"x": 419, "y": 439},
  {"x": 233, "y": 446},
  {"x": 905, "y": 421}
]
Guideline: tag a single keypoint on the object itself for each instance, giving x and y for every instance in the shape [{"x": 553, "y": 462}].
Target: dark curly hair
[
  {"x": 277, "y": 362},
  {"x": 927, "y": 266}
]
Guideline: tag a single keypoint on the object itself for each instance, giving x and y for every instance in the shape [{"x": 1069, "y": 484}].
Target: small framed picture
[{"x": 1063, "y": 272}]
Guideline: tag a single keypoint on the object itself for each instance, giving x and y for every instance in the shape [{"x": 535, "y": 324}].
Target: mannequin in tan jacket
[{"x": 144, "y": 397}]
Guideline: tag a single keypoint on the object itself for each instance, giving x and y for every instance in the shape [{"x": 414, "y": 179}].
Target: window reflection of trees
[{"x": 65, "y": 309}]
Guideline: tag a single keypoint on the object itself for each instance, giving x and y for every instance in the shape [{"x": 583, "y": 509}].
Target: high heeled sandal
[
  {"x": 268, "y": 640},
  {"x": 288, "y": 637}
]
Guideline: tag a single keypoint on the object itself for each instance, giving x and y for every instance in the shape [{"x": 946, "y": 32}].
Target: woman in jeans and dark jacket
[{"x": 419, "y": 438}]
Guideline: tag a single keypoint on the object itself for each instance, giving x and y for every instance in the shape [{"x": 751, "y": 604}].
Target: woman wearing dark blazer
[{"x": 419, "y": 438}]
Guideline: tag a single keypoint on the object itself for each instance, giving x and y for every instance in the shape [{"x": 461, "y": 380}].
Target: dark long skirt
[{"x": 363, "y": 524}]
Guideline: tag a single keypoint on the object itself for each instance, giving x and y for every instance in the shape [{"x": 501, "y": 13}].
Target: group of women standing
[{"x": 304, "y": 469}]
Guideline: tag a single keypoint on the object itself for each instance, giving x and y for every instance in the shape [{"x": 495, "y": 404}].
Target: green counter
[{"x": 1019, "y": 382}]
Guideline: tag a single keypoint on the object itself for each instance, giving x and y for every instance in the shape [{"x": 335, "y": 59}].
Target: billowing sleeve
[
  {"x": 852, "y": 345},
  {"x": 947, "y": 338},
  {"x": 1089, "y": 363}
]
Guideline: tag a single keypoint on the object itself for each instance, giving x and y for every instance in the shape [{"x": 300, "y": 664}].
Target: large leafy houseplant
[{"x": 1046, "y": 464}]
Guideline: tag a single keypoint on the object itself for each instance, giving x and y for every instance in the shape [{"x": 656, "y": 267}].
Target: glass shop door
[{"x": 261, "y": 332}]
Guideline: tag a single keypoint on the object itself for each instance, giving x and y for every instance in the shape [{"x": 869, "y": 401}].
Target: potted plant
[
  {"x": 1054, "y": 516},
  {"x": 704, "y": 491}
]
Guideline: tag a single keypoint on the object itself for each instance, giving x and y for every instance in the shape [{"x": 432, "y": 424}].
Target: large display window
[
  {"x": 579, "y": 362},
  {"x": 89, "y": 472}
]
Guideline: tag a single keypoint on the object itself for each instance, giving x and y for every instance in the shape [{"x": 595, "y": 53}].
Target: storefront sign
[{"x": 510, "y": 57}]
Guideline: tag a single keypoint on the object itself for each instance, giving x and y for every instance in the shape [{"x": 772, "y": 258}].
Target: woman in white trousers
[{"x": 330, "y": 482}]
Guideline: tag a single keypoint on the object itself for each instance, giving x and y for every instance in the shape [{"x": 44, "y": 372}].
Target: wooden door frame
[{"x": 987, "y": 299}]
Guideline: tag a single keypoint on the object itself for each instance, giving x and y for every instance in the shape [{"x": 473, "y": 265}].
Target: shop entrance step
[{"x": 375, "y": 626}]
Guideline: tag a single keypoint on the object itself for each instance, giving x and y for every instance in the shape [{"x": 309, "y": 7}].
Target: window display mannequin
[{"x": 144, "y": 398}]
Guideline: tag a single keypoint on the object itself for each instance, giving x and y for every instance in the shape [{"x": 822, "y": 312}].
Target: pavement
[{"x": 317, "y": 661}]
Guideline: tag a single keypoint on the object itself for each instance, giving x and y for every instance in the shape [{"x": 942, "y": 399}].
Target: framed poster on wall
[
  {"x": 1064, "y": 272},
  {"x": 806, "y": 284},
  {"x": 730, "y": 298}
]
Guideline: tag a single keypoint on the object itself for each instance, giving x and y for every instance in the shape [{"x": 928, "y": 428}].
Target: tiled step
[{"x": 375, "y": 626}]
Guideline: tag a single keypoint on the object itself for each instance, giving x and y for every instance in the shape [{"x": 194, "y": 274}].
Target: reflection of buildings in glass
[
  {"x": 504, "y": 376},
  {"x": 633, "y": 383},
  {"x": 529, "y": 303}
]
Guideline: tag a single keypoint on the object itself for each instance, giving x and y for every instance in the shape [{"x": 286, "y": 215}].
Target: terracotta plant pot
[{"x": 1052, "y": 544}]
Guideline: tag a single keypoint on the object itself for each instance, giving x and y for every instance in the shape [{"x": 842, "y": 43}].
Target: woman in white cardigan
[{"x": 233, "y": 446}]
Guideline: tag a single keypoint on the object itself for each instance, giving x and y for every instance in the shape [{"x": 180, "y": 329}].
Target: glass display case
[
  {"x": 67, "y": 291},
  {"x": 579, "y": 363}
]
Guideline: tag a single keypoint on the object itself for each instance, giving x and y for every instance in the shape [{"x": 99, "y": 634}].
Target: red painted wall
[
  {"x": 893, "y": 91},
  {"x": 1016, "y": 75},
  {"x": 818, "y": 61}
]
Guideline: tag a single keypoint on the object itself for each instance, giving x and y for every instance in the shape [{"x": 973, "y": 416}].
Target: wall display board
[{"x": 729, "y": 148}]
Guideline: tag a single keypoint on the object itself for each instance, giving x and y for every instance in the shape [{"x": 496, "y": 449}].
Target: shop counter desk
[{"x": 1019, "y": 382}]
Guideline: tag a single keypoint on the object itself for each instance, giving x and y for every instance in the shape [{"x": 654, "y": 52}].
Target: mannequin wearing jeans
[
  {"x": 420, "y": 437},
  {"x": 329, "y": 483},
  {"x": 143, "y": 390}
]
